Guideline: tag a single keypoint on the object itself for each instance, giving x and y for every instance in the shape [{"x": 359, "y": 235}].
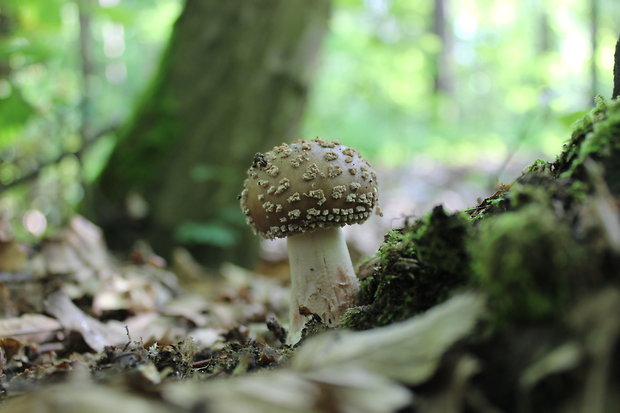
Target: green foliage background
[
  {"x": 374, "y": 88},
  {"x": 42, "y": 89}
]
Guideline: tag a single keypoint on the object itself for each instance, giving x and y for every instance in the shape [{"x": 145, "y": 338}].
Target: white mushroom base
[{"x": 322, "y": 278}]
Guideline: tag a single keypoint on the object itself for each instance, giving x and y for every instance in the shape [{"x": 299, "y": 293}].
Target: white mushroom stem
[{"x": 322, "y": 278}]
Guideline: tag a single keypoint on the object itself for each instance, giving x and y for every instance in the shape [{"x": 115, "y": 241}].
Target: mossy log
[
  {"x": 545, "y": 251},
  {"x": 534, "y": 246}
]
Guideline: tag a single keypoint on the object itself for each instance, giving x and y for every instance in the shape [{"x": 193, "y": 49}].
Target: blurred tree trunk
[
  {"x": 443, "y": 76},
  {"x": 594, "y": 12},
  {"x": 87, "y": 66},
  {"x": 545, "y": 44},
  {"x": 545, "y": 33},
  {"x": 5, "y": 29},
  {"x": 616, "y": 91},
  {"x": 233, "y": 82}
]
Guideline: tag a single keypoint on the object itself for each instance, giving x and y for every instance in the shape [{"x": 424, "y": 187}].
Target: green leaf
[
  {"x": 96, "y": 157},
  {"x": 232, "y": 215},
  {"x": 38, "y": 14},
  {"x": 203, "y": 172},
  {"x": 14, "y": 109},
  {"x": 122, "y": 15},
  {"x": 570, "y": 118},
  {"x": 211, "y": 233}
]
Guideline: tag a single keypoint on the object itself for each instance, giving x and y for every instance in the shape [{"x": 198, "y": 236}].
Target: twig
[
  {"x": 35, "y": 172},
  {"x": 17, "y": 277},
  {"x": 523, "y": 134}
]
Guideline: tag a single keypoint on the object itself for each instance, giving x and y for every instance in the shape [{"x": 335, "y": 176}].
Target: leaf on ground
[
  {"x": 351, "y": 371},
  {"x": 84, "y": 397},
  {"x": 78, "y": 250},
  {"x": 29, "y": 327},
  {"x": 151, "y": 327},
  {"x": 351, "y": 390},
  {"x": 408, "y": 352},
  {"x": 96, "y": 334},
  {"x": 190, "y": 306},
  {"x": 13, "y": 256}
]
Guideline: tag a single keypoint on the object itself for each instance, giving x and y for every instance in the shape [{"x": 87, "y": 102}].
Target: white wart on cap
[{"x": 306, "y": 185}]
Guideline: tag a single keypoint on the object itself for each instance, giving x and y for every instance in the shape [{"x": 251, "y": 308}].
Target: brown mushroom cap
[{"x": 306, "y": 185}]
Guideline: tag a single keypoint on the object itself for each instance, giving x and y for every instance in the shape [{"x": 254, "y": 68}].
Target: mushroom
[{"x": 305, "y": 191}]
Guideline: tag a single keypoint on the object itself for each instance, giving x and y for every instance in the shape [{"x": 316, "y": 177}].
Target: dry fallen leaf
[
  {"x": 408, "y": 351},
  {"x": 285, "y": 391},
  {"x": 348, "y": 371},
  {"x": 13, "y": 256},
  {"x": 34, "y": 328},
  {"x": 83, "y": 397},
  {"x": 96, "y": 334}
]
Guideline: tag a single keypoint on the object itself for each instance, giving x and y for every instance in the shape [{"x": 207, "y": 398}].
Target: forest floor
[
  {"x": 76, "y": 317},
  {"x": 502, "y": 307}
]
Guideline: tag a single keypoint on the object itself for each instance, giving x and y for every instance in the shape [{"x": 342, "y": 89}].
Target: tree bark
[
  {"x": 594, "y": 14},
  {"x": 5, "y": 30},
  {"x": 545, "y": 38},
  {"x": 87, "y": 65},
  {"x": 443, "y": 76},
  {"x": 233, "y": 82},
  {"x": 545, "y": 43},
  {"x": 616, "y": 91}
]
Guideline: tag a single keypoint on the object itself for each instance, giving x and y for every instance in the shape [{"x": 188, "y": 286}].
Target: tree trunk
[
  {"x": 5, "y": 30},
  {"x": 594, "y": 13},
  {"x": 545, "y": 36},
  {"x": 616, "y": 91},
  {"x": 545, "y": 44},
  {"x": 443, "y": 76},
  {"x": 87, "y": 66},
  {"x": 233, "y": 82}
]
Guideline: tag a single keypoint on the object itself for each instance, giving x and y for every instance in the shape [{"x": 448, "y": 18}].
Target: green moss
[
  {"x": 528, "y": 262},
  {"x": 523, "y": 240},
  {"x": 596, "y": 137},
  {"x": 525, "y": 194},
  {"x": 526, "y": 255},
  {"x": 496, "y": 203},
  {"x": 582, "y": 128},
  {"x": 419, "y": 266},
  {"x": 539, "y": 167},
  {"x": 579, "y": 190},
  {"x": 313, "y": 327}
]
